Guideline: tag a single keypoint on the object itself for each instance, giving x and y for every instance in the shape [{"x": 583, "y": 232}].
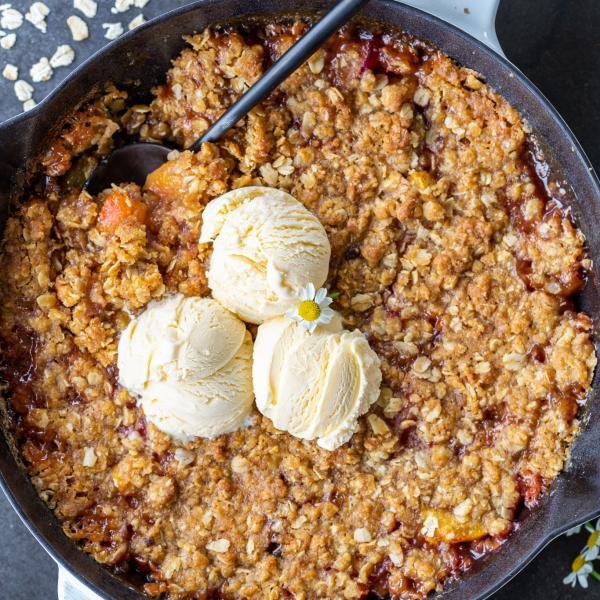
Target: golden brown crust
[{"x": 445, "y": 253}]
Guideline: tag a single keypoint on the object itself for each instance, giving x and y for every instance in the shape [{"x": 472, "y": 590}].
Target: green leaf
[{"x": 335, "y": 295}]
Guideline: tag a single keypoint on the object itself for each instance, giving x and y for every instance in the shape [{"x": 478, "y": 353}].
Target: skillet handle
[
  {"x": 475, "y": 17},
  {"x": 70, "y": 588}
]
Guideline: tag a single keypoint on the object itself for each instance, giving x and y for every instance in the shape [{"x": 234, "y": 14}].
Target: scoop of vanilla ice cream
[
  {"x": 189, "y": 361},
  {"x": 314, "y": 386},
  {"x": 266, "y": 247}
]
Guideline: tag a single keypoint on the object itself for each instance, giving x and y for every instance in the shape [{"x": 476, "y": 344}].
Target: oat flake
[
  {"x": 29, "y": 104},
  {"x": 10, "y": 72},
  {"x": 23, "y": 90},
  {"x": 139, "y": 20},
  {"x": 220, "y": 545},
  {"x": 78, "y": 27},
  {"x": 113, "y": 30},
  {"x": 8, "y": 41},
  {"x": 37, "y": 14},
  {"x": 89, "y": 457},
  {"x": 41, "y": 70},
  {"x": 11, "y": 18},
  {"x": 121, "y": 6},
  {"x": 88, "y": 7},
  {"x": 62, "y": 57}
]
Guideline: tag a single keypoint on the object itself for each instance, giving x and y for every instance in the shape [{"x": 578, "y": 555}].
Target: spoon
[{"x": 135, "y": 161}]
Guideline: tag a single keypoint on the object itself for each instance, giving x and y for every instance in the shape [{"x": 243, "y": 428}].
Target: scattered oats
[
  {"x": 397, "y": 558},
  {"x": 220, "y": 545},
  {"x": 406, "y": 348},
  {"x": 63, "y": 56},
  {"x": 393, "y": 406},
  {"x": 139, "y": 20},
  {"x": 239, "y": 464},
  {"x": 184, "y": 456},
  {"x": 89, "y": 457},
  {"x": 513, "y": 361},
  {"x": 177, "y": 91},
  {"x": 41, "y": 70},
  {"x": 37, "y": 14},
  {"x": 482, "y": 368},
  {"x": 455, "y": 324},
  {"x": 422, "y": 96},
  {"x": 464, "y": 508},
  {"x": 134, "y": 436},
  {"x": 121, "y": 6},
  {"x": 361, "y": 302},
  {"x": 250, "y": 546},
  {"x": 10, "y": 18},
  {"x": 269, "y": 174},
  {"x": 113, "y": 30},
  {"x": 299, "y": 522},
  {"x": 316, "y": 62},
  {"x": 78, "y": 27},
  {"x": 8, "y": 41},
  {"x": 23, "y": 90},
  {"x": 421, "y": 364},
  {"x": 422, "y": 258},
  {"x": 87, "y": 7},
  {"x": 429, "y": 526},
  {"x": 362, "y": 535},
  {"x": 378, "y": 425},
  {"x": 10, "y": 72}
]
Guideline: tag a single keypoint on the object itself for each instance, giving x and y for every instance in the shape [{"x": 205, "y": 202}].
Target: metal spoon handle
[{"x": 301, "y": 51}]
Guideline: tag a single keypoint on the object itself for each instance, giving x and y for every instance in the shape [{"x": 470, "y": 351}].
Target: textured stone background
[{"x": 555, "y": 42}]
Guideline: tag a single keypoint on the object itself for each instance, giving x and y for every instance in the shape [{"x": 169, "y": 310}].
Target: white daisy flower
[
  {"x": 580, "y": 570},
  {"x": 313, "y": 309},
  {"x": 574, "y": 530},
  {"x": 591, "y": 550}
]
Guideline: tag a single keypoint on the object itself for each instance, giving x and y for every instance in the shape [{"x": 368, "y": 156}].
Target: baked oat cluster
[{"x": 447, "y": 252}]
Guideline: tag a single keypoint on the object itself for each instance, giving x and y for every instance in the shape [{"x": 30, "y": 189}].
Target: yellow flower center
[
  {"x": 309, "y": 310},
  {"x": 593, "y": 539},
  {"x": 578, "y": 563}
]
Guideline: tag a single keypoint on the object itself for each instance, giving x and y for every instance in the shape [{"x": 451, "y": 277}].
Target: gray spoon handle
[{"x": 301, "y": 51}]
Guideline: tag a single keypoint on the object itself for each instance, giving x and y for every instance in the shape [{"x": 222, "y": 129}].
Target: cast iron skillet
[{"x": 139, "y": 60}]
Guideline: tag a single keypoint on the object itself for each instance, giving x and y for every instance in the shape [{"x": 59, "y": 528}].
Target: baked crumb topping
[{"x": 446, "y": 252}]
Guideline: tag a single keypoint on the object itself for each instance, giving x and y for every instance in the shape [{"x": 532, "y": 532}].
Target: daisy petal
[
  {"x": 591, "y": 553},
  {"x": 312, "y": 326},
  {"x": 582, "y": 579},
  {"x": 574, "y": 530},
  {"x": 327, "y": 313},
  {"x": 310, "y": 291},
  {"x": 320, "y": 295},
  {"x": 304, "y": 324},
  {"x": 326, "y": 301},
  {"x": 570, "y": 579}
]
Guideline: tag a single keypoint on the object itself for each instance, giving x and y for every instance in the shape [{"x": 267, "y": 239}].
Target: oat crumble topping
[{"x": 446, "y": 253}]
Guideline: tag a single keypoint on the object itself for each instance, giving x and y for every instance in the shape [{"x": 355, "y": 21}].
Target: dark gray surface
[{"x": 557, "y": 43}]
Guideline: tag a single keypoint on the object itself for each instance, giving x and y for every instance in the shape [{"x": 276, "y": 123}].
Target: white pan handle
[
  {"x": 476, "y": 17},
  {"x": 70, "y": 588}
]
